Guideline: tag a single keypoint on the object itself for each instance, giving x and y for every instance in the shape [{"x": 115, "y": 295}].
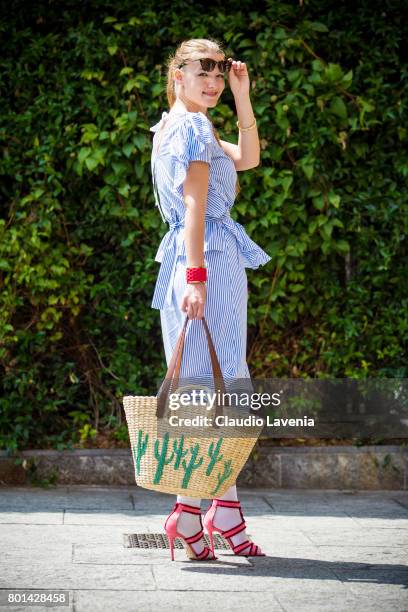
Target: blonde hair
[{"x": 188, "y": 50}]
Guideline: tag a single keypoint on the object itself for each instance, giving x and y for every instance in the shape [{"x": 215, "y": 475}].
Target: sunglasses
[{"x": 209, "y": 64}]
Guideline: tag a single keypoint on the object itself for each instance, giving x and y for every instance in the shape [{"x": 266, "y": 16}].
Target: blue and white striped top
[{"x": 189, "y": 137}]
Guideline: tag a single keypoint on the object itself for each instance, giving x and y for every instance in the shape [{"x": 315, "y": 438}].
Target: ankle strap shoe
[
  {"x": 245, "y": 549},
  {"x": 170, "y": 527}
]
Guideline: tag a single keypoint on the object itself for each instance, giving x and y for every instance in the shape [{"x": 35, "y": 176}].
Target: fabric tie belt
[
  {"x": 252, "y": 253},
  {"x": 175, "y": 224}
]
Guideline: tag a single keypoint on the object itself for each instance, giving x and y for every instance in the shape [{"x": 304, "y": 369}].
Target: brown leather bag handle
[{"x": 171, "y": 379}]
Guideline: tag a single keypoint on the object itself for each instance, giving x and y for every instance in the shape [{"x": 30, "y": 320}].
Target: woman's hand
[
  {"x": 194, "y": 300},
  {"x": 238, "y": 78}
]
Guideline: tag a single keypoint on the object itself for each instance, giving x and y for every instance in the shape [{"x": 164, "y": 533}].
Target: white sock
[
  {"x": 190, "y": 501},
  {"x": 230, "y": 494},
  {"x": 189, "y": 524}
]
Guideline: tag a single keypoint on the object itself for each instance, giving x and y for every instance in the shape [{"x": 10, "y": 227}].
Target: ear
[{"x": 178, "y": 75}]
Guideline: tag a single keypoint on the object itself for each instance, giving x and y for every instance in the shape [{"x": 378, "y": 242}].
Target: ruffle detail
[
  {"x": 252, "y": 254},
  {"x": 214, "y": 240},
  {"x": 191, "y": 141},
  {"x": 163, "y": 247}
]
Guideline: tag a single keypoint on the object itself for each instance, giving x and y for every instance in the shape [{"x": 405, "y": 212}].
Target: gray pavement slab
[
  {"x": 179, "y": 601},
  {"x": 328, "y": 551},
  {"x": 62, "y": 498},
  {"x": 31, "y": 518}
]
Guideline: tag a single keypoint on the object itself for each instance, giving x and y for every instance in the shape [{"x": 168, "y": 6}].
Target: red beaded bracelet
[{"x": 196, "y": 275}]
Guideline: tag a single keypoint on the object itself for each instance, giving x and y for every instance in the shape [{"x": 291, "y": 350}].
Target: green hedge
[{"x": 79, "y": 229}]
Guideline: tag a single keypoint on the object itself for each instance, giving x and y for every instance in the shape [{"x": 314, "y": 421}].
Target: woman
[{"x": 195, "y": 180}]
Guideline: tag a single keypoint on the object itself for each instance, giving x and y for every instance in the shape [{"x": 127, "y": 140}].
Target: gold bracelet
[{"x": 250, "y": 127}]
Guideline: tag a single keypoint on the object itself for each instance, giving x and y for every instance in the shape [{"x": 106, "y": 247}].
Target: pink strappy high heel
[
  {"x": 245, "y": 549},
  {"x": 170, "y": 527}
]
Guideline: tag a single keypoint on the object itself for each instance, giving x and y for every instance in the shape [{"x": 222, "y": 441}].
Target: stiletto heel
[
  {"x": 210, "y": 534},
  {"x": 253, "y": 549},
  {"x": 170, "y": 527},
  {"x": 171, "y": 542}
]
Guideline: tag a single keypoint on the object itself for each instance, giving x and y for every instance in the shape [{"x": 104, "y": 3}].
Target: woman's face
[{"x": 199, "y": 89}]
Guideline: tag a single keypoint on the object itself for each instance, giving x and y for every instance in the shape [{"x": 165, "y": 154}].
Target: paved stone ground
[{"x": 328, "y": 551}]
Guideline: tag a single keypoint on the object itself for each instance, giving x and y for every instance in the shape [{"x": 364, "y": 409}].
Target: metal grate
[{"x": 160, "y": 540}]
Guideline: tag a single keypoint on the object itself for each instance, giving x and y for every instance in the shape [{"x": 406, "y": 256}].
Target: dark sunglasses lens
[{"x": 207, "y": 64}]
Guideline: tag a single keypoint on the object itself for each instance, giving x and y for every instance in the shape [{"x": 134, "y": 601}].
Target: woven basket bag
[{"x": 203, "y": 464}]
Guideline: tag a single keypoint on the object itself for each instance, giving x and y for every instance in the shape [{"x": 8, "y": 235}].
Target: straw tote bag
[{"x": 203, "y": 464}]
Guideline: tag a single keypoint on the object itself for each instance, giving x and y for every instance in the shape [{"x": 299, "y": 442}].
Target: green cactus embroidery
[
  {"x": 179, "y": 452},
  {"x": 192, "y": 465},
  {"x": 214, "y": 454},
  {"x": 161, "y": 457},
  {"x": 140, "y": 450},
  {"x": 223, "y": 477}
]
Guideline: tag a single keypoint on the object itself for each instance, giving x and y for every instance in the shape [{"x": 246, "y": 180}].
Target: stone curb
[{"x": 324, "y": 467}]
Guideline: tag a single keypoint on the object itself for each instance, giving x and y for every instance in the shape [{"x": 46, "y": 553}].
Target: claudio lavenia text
[{"x": 246, "y": 421}]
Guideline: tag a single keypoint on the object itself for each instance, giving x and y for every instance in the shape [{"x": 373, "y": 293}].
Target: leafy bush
[{"x": 78, "y": 229}]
